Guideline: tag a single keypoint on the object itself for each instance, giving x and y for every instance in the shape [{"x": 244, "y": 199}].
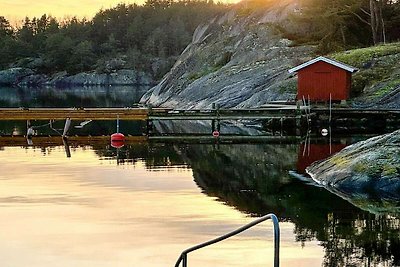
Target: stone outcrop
[
  {"x": 120, "y": 77},
  {"x": 370, "y": 169},
  {"x": 14, "y": 75},
  {"x": 25, "y": 77}
]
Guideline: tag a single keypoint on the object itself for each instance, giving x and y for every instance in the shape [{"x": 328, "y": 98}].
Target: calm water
[
  {"x": 113, "y": 96},
  {"x": 89, "y": 211},
  {"x": 145, "y": 203}
]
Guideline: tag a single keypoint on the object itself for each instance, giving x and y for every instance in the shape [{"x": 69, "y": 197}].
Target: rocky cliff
[{"x": 239, "y": 59}]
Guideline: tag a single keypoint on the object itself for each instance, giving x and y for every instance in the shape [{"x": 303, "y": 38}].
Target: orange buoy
[{"x": 117, "y": 140}]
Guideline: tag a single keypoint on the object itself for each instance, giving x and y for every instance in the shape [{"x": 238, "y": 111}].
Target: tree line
[
  {"x": 142, "y": 37},
  {"x": 340, "y": 24},
  {"x": 150, "y": 37}
]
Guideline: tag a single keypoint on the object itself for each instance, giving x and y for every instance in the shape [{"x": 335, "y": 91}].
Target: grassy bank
[{"x": 379, "y": 70}]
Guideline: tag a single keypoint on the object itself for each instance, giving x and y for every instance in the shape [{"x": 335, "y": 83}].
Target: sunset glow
[
  {"x": 16, "y": 11},
  {"x": 141, "y": 218}
]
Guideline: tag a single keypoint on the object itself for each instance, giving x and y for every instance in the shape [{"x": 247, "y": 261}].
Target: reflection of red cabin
[
  {"x": 323, "y": 78},
  {"x": 315, "y": 152}
]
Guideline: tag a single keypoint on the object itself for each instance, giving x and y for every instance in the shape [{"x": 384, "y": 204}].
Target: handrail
[{"x": 183, "y": 256}]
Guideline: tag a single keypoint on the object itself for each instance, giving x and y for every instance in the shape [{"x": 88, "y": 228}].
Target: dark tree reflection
[
  {"x": 353, "y": 230},
  {"x": 254, "y": 179}
]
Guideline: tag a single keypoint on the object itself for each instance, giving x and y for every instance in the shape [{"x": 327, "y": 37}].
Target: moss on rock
[
  {"x": 359, "y": 57},
  {"x": 368, "y": 167},
  {"x": 379, "y": 71}
]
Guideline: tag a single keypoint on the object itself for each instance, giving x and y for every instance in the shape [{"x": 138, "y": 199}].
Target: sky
[{"x": 16, "y": 10}]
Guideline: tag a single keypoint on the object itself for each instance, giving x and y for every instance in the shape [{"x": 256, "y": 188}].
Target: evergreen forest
[{"x": 151, "y": 36}]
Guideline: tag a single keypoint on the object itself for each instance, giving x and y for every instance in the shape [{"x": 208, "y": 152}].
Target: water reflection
[
  {"x": 164, "y": 198},
  {"x": 83, "y": 96},
  {"x": 309, "y": 153},
  {"x": 254, "y": 179},
  {"x": 83, "y": 211},
  {"x": 55, "y": 128}
]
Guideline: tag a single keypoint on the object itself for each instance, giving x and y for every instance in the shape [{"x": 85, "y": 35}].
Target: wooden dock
[
  {"x": 162, "y": 114},
  {"x": 149, "y": 115},
  {"x": 74, "y": 113},
  {"x": 356, "y": 120},
  {"x": 346, "y": 112},
  {"x": 142, "y": 114},
  {"x": 228, "y": 114},
  {"x": 291, "y": 117}
]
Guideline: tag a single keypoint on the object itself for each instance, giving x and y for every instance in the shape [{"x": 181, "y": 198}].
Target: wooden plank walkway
[
  {"x": 270, "y": 112},
  {"x": 143, "y": 114},
  {"x": 75, "y": 114},
  {"x": 356, "y": 111},
  {"x": 162, "y": 114}
]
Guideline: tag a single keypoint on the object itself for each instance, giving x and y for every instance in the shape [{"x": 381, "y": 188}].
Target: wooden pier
[
  {"x": 74, "y": 113},
  {"x": 293, "y": 117},
  {"x": 142, "y": 114},
  {"x": 360, "y": 112},
  {"x": 149, "y": 115},
  {"x": 346, "y": 120}
]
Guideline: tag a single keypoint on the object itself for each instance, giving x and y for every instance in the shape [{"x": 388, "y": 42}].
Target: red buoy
[
  {"x": 118, "y": 137},
  {"x": 117, "y": 140}
]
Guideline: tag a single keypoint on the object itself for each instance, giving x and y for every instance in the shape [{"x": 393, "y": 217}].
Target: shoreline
[{"x": 28, "y": 78}]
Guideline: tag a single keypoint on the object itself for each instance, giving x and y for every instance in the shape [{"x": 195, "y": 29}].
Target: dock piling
[{"x": 66, "y": 127}]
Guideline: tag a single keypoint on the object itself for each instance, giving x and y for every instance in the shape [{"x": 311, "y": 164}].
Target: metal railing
[{"x": 184, "y": 255}]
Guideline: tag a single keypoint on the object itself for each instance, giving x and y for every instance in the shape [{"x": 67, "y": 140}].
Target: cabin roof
[{"x": 327, "y": 60}]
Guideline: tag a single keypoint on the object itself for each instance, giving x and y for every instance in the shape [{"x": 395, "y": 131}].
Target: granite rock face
[
  {"x": 14, "y": 75},
  {"x": 120, "y": 77},
  {"x": 235, "y": 60},
  {"x": 25, "y": 77},
  {"x": 368, "y": 169}
]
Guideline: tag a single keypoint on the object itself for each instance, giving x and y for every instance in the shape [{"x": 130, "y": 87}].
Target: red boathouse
[{"x": 322, "y": 78}]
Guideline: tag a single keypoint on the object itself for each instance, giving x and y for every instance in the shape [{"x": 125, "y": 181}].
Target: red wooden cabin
[{"x": 323, "y": 78}]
